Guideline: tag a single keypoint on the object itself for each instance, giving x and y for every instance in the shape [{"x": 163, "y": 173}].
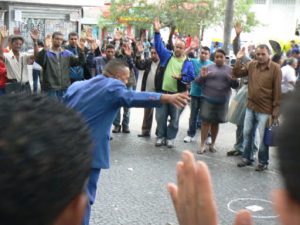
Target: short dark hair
[
  {"x": 72, "y": 34},
  {"x": 17, "y": 37},
  {"x": 113, "y": 66},
  {"x": 288, "y": 140},
  {"x": 205, "y": 48},
  {"x": 44, "y": 159},
  {"x": 219, "y": 50},
  {"x": 109, "y": 46},
  {"x": 265, "y": 47},
  {"x": 57, "y": 33}
]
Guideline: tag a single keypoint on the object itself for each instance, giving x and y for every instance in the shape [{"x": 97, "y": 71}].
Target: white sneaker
[
  {"x": 208, "y": 141},
  {"x": 171, "y": 143},
  {"x": 188, "y": 139},
  {"x": 160, "y": 142}
]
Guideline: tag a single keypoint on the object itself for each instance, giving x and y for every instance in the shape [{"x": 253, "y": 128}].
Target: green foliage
[
  {"x": 186, "y": 15},
  {"x": 243, "y": 15},
  {"x": 133, "y": 12}
]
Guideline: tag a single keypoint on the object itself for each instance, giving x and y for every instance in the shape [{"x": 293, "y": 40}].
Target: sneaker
[
  {"x": 117, "y": 129},
  {"x": 125, "y": 130},
  {"x": 261, "y": 167},
  {"x": 160, "y": 142},
  {"x": 171, "y": 143},
  {"x": 244, "y": 163},
  {"x": 188, "y": 139},
  {"x": 208, "y": 141}
]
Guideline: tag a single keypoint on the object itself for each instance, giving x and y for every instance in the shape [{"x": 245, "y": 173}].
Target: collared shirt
[
  {"x": 17, "y": 69},
  {"x": 264, "y": 85}
]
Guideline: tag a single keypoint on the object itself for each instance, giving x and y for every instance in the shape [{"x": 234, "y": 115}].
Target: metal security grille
[{"x": 284, "y": 2}]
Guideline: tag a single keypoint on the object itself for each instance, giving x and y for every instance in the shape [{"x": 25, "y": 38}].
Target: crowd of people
[{"x": 99, "y": 82}]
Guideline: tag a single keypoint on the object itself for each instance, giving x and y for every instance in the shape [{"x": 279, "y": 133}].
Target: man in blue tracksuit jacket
[
  {"x": 175, "y": 73},
  {"x": 98, "y": 100}
]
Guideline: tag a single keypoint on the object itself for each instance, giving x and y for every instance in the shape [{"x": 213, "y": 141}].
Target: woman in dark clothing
[{"x": 216, "y": 81}]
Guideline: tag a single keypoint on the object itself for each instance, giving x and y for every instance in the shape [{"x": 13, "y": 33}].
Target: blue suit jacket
[{"x": 98, "y": 100}]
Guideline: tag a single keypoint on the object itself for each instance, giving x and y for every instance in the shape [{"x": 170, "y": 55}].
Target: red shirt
[{"x": 2, "y": 74}]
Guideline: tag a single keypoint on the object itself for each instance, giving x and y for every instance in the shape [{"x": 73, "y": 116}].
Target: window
[{"x": 284, "y": 2}]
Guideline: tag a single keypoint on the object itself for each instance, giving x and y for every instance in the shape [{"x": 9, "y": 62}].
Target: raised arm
[
  {"x": 4, "y": 35},
  {"x": 161, "y": 50},
  {"x": 240, "y": 69},
  {"x": 35, "y": 36}
]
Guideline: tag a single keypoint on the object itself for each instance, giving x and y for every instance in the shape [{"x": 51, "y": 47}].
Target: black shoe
[
  {"x": 110, "y": 138},
  {"x": 144, "y": 135},
  {"x": 125, "y": 130},
  {"x": 261, "y": 167},
  {"x": 244, "y": 163},
  {"x": 117, "y": 129},
  {"x": 234, "y": 153}
]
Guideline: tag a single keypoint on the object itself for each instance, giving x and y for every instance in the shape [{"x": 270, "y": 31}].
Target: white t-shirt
[
  {"x": 151, "y": 76},
  {"x": 14, "y": 67},
  {"x": 288, "y": 75}
]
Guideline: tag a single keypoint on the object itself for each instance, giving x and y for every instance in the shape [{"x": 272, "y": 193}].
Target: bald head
[
  {"x": 117, "y": 69},
  {"x": 179, "y": 48}
]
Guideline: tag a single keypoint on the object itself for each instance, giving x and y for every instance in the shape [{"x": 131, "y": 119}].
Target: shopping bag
[
  {"x": 270, "y": 134},
  {"x": 237, "y": 107}
]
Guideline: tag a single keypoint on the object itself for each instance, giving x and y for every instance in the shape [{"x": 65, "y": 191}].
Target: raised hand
[
  {"x": 238, "y": 28},
  {"x": 203, "y": 72},
  {"x": 156, "y": 25},
  {"x": 139, "y": 47},
  {"x": 192, "y": 197},
  {"x": 34, "y": 34},
  {"x": 94, "y": 45},
  {"x": 127, "y": 50},
  {"x": 194, "y": 44},
  {"x": 3, "y": 32},
  {"x": 48, "y": 41},
  {"x": 241, "y": 53}
]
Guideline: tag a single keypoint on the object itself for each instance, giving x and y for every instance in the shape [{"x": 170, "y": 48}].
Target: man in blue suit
[{"x": 98, "y": 100}]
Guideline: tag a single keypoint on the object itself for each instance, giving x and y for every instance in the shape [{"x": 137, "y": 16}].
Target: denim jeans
[
  {"x": 239, "y": 139},
  {"x": 35, "y": 77},
  {"x": 195, "y": 107},
  {"x": 91, "y": 190},
  {"x": 2, "y": 91},
  {"x": 57, "y": 94},
  {"x": 253, "y": 121},
  {"x": 126, "y": 118},
  {"x": 162, "y": 113}
]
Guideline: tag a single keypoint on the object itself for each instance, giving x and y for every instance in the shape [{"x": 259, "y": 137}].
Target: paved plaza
[{"x": 133, "y": 191}]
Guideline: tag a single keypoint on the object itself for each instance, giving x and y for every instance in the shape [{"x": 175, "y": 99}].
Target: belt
[
  {"x": 15, "y": 81},
  {"x": 169, "y": 92}
]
